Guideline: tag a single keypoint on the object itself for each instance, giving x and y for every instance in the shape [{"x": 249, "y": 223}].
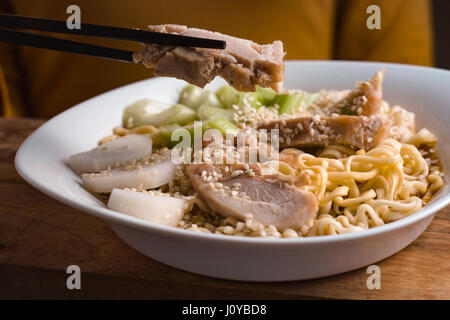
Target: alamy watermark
[
  {"x": 196, "y": 145},
  {"x": 74, "y": 280},
  {"x": 74, "y": 20},
  {"x": 374, "y": 20},
  {"x": 374, "y": 280}
]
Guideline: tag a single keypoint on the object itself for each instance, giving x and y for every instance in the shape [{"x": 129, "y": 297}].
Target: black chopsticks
[
  {"x": 31, "y": 23},
  {"x": 44, "y": 42}
]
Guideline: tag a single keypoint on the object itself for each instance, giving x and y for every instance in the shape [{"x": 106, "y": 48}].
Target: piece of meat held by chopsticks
[{"x": 243, "y": 64}]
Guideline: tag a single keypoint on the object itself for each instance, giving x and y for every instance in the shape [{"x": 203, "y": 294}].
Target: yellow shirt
[{"x": 42, "y": 83}]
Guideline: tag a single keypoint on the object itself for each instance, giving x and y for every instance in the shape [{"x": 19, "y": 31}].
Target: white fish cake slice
[
  {"x": 164, "y": 210},
  {"x": 127, "y": 148},
  {"x": 148, "y": 176}
]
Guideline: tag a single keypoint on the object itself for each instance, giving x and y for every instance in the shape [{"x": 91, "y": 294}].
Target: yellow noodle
[{"x": 366, "y": 189}]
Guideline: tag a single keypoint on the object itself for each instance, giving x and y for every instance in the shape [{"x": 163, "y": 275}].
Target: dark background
[{"x": 441, "y": 13}]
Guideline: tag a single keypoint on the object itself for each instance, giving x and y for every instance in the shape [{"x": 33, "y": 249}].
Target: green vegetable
[
  {"x": 193, "y": 97},
  {"x": 141, "y": 112},
  {"x": 249, "y": 99},
  {"x": 206, "y": 112},
  {"x": 347, "y": 110},
  {"x": 228, "y": 96},
  {"x": 266, "y": 96},
  {"x": 223, "y": 126},
  {"x": 288, "y": 103},
  {"x": 179, "y": 114},
  {"x": 308, "y": 99},
  {"x": 135, "y": 115},
  {"x": 164, "y": 137}
]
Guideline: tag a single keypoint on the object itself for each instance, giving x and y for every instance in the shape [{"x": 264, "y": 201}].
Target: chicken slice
[
  {"x": 271, "y": 200},
  {"x": 243, "y": 63},
  {"x": 366, "y": 99},
  {"x": 355, "y": 131}
]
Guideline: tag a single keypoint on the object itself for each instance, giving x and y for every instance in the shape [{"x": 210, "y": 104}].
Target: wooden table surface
[{"x": 40, "y": 238}]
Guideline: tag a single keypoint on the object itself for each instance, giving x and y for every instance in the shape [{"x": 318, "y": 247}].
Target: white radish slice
[
  {"x": 165, "y": 210},
  {"x": 127, "y": 148},
  {"x": 147, "y": 176}
]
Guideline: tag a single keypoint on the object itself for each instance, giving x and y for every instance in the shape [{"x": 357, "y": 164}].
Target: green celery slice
[
  {"x": 206, "y": 112},
  {"x": 288, "y": 103},
  {"x": 224, "y": 126},
  {"x": 266, "y": 96},
  {"x": 141, "y": 112},
  {"x": 308, "y": 99},
  {"x": 193, "y": 97},
  {"x": 228, "y": 96},
  {"x": 177, "y": 113}
]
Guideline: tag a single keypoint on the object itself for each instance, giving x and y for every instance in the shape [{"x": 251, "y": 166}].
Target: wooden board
[{"x": 40, "y": 238}]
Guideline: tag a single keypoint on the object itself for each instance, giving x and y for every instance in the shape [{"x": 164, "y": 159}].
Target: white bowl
[{"x": 41, "y": 160}]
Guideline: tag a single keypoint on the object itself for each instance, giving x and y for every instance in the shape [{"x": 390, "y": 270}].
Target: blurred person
[{"x": 42, "y": 83}]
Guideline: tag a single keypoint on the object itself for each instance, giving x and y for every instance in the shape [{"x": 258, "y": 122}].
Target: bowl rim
[{"x": 115, "y": 217}]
